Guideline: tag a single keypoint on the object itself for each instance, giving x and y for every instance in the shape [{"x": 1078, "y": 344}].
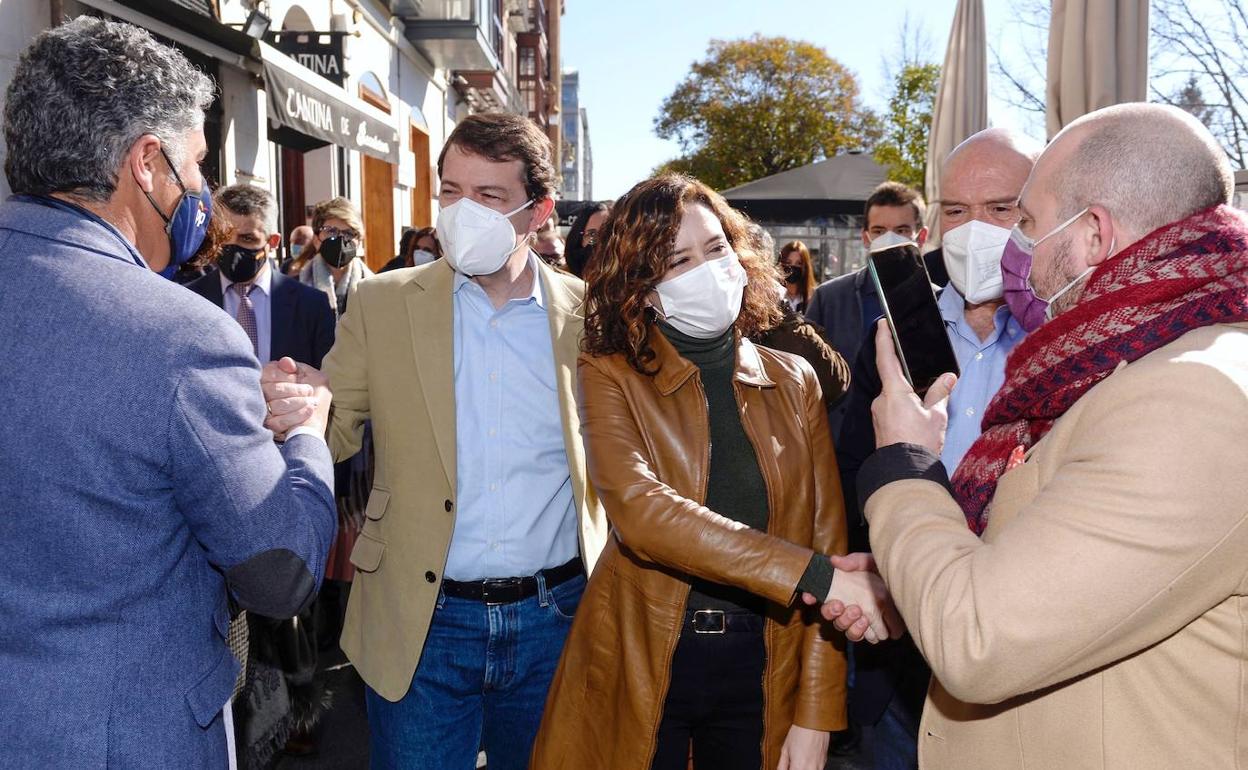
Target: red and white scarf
[{"x": 1180, "y": 277}]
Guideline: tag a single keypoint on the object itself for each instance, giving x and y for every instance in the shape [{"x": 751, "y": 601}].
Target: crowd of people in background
[{"x": 644, "y": 495}]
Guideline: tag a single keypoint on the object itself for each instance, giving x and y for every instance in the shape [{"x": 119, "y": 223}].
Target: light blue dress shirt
[
  {"x": 260, "y": 305},
  {"x": 516, "y": 513},
  {"x": 983, "y": 371}
]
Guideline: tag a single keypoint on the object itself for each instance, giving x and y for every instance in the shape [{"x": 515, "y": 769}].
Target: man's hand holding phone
[{"x": 899, "y": 416}]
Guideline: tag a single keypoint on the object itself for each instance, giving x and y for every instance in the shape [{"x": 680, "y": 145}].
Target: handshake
[
  {"x": 296, "y": 396},
  {"x": 858, "y": 602}
]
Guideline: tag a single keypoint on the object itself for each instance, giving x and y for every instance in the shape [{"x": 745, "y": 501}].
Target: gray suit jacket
[{"x": 138, "y": 484}]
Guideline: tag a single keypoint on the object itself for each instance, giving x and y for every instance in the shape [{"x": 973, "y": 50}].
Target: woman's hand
[
  {"x": 804, "y": 750},
  {"x": 858, "y": 602}
]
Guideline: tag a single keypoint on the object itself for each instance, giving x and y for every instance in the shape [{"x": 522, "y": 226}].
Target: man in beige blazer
[
  {"x": 481, "y": 528},
  {"x": 1101, "y": 620}
]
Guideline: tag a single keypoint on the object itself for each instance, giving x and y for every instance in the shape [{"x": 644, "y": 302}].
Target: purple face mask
[
  {"x": 1016, "y": 261},
  {"x": 1016, "y": 285}
]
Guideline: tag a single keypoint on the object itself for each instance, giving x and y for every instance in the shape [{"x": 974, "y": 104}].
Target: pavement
[{"x": 342, "y": 736}]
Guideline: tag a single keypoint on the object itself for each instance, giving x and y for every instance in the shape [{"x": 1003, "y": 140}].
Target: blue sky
[{"x": 632, "y": 53}]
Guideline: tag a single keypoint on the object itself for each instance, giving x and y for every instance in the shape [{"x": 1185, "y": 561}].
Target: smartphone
[{"x": 905, "y": 292}]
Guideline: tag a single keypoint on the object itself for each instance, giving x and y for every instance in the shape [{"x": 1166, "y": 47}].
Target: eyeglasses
[
  {"x": 589, "y": 237},
  {"x": 329, "y": 231}
]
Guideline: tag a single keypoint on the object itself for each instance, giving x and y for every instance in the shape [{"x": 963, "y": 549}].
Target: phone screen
[{"x": 910, "y": 304}]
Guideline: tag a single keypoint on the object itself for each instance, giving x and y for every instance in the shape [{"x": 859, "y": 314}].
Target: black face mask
[
  {"x": 335, "y": 252},
  {"x": 238, "y": 264},
  {"x": 795, "y": 273}
]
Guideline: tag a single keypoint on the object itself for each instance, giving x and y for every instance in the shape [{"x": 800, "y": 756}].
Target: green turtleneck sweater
[{"x": 735, "y": 488}]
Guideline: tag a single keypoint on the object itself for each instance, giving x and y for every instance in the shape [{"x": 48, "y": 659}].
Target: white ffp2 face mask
[
  {"x": 972, "y": 253},
  {"x": 705, "y": 302},
  {"x": 887, "y": 240},
  {"x": 476, "y": 240}
]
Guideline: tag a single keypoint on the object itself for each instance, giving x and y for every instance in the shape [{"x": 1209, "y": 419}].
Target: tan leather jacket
[{"x": 647, "y": 442}]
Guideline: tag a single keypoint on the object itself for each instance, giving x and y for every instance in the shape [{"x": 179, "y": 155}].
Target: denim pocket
[{"x": 566, "y": 597}]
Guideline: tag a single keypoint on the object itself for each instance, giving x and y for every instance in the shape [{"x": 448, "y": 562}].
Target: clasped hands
[
  {"x": 858, "y": 602},
  {"x": 296, "y": 395}
]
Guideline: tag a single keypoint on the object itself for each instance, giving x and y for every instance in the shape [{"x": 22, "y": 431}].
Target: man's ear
[
  {"x": 141, "y": 160},
  {"x": 921, "y": 237},
  {"x": 274, "y": 241},
  {"x": 542, "y": 209},
  {"x": 866, "y": 238},
  {"x": 1101, "y": 235}
]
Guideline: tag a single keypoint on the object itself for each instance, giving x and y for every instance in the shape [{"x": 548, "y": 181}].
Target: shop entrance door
[
  {"x": 422, "y": 193},
  {"x": 378, "y": 182},
  {"x": 291, "y": 191}
]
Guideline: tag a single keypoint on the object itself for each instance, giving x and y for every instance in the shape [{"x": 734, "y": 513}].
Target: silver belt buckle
[
  {"x": 709, "y": 614},
  {"x": 490, "y": 588}
]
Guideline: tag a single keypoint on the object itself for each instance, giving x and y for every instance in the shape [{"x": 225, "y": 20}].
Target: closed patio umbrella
[
  {"x": 961, "y": 107},
  {"x": 1098, "y": 56}
]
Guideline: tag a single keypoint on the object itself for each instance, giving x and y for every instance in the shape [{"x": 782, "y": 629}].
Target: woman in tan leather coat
[{"x": 713, "y": 459}]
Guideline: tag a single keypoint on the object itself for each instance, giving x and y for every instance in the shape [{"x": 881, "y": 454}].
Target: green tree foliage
[
  {"x": 760, "y": 106},
  {"x": 907, "y": 123}
]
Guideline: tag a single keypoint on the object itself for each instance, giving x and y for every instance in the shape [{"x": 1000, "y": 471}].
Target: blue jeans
[
  {"x": 895, "y": 741},
  {"x": 481, "y": 682}
]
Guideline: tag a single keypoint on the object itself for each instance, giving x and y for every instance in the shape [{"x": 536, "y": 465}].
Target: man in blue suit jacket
[
  {"x": 139, "y": 482},
  {"x": 291, "y": 319}
]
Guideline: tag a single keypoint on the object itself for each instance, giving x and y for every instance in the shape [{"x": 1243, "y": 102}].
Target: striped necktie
[{"x": 247, "y": 313}]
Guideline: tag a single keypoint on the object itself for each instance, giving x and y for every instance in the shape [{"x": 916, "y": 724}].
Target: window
[
  {"x": 497, "y": 36},
  {"x": 528, "y": 92},
  {"x": 373, "y": 92}
]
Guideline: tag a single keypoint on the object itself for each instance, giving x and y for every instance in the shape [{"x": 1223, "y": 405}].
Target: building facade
[
  {"x": 576, "y": 160},
  {"x": 318, "y": 98}
]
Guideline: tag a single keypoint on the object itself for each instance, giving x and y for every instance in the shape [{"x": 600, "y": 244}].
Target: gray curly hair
[{"x": 83, "y": 94}]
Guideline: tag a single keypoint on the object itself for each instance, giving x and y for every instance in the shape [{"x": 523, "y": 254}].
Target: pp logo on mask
[{"x": 201, "y": 216}]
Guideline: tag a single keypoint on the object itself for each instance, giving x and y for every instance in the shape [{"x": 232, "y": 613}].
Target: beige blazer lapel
[
  {"x": 565, "y": 333},
  {"x": 566, "y": 326},
  {"x": 431, "y": 319}
]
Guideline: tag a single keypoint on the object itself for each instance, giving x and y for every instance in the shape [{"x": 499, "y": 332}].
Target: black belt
[
  {"x": 508, "y": 590},
  {"x": 721, "y": 621}
]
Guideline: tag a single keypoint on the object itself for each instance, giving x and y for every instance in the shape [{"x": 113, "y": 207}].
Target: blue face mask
[{"x": 188, "y": 224}]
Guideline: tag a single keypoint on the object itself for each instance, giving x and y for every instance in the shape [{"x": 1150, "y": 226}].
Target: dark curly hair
[{"x": 633, "y": 253}]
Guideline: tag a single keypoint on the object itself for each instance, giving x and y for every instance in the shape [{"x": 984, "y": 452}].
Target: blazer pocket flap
[
  {"x": 378, "y": 501},
  {"x": 211, "y": 693},
  {"x": 366, "y": 555}
]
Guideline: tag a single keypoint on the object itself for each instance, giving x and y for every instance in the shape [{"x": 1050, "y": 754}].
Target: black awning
[
  {"x": 304, "y": 107},
  {"x": 196, "y": 17}
]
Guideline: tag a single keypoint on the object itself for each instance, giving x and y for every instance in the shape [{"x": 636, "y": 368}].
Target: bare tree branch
[
  {"x": 1208, "y": 51},
  {"x": 1023, "y": 74},
  {"x": 1021, "y": 95}
]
